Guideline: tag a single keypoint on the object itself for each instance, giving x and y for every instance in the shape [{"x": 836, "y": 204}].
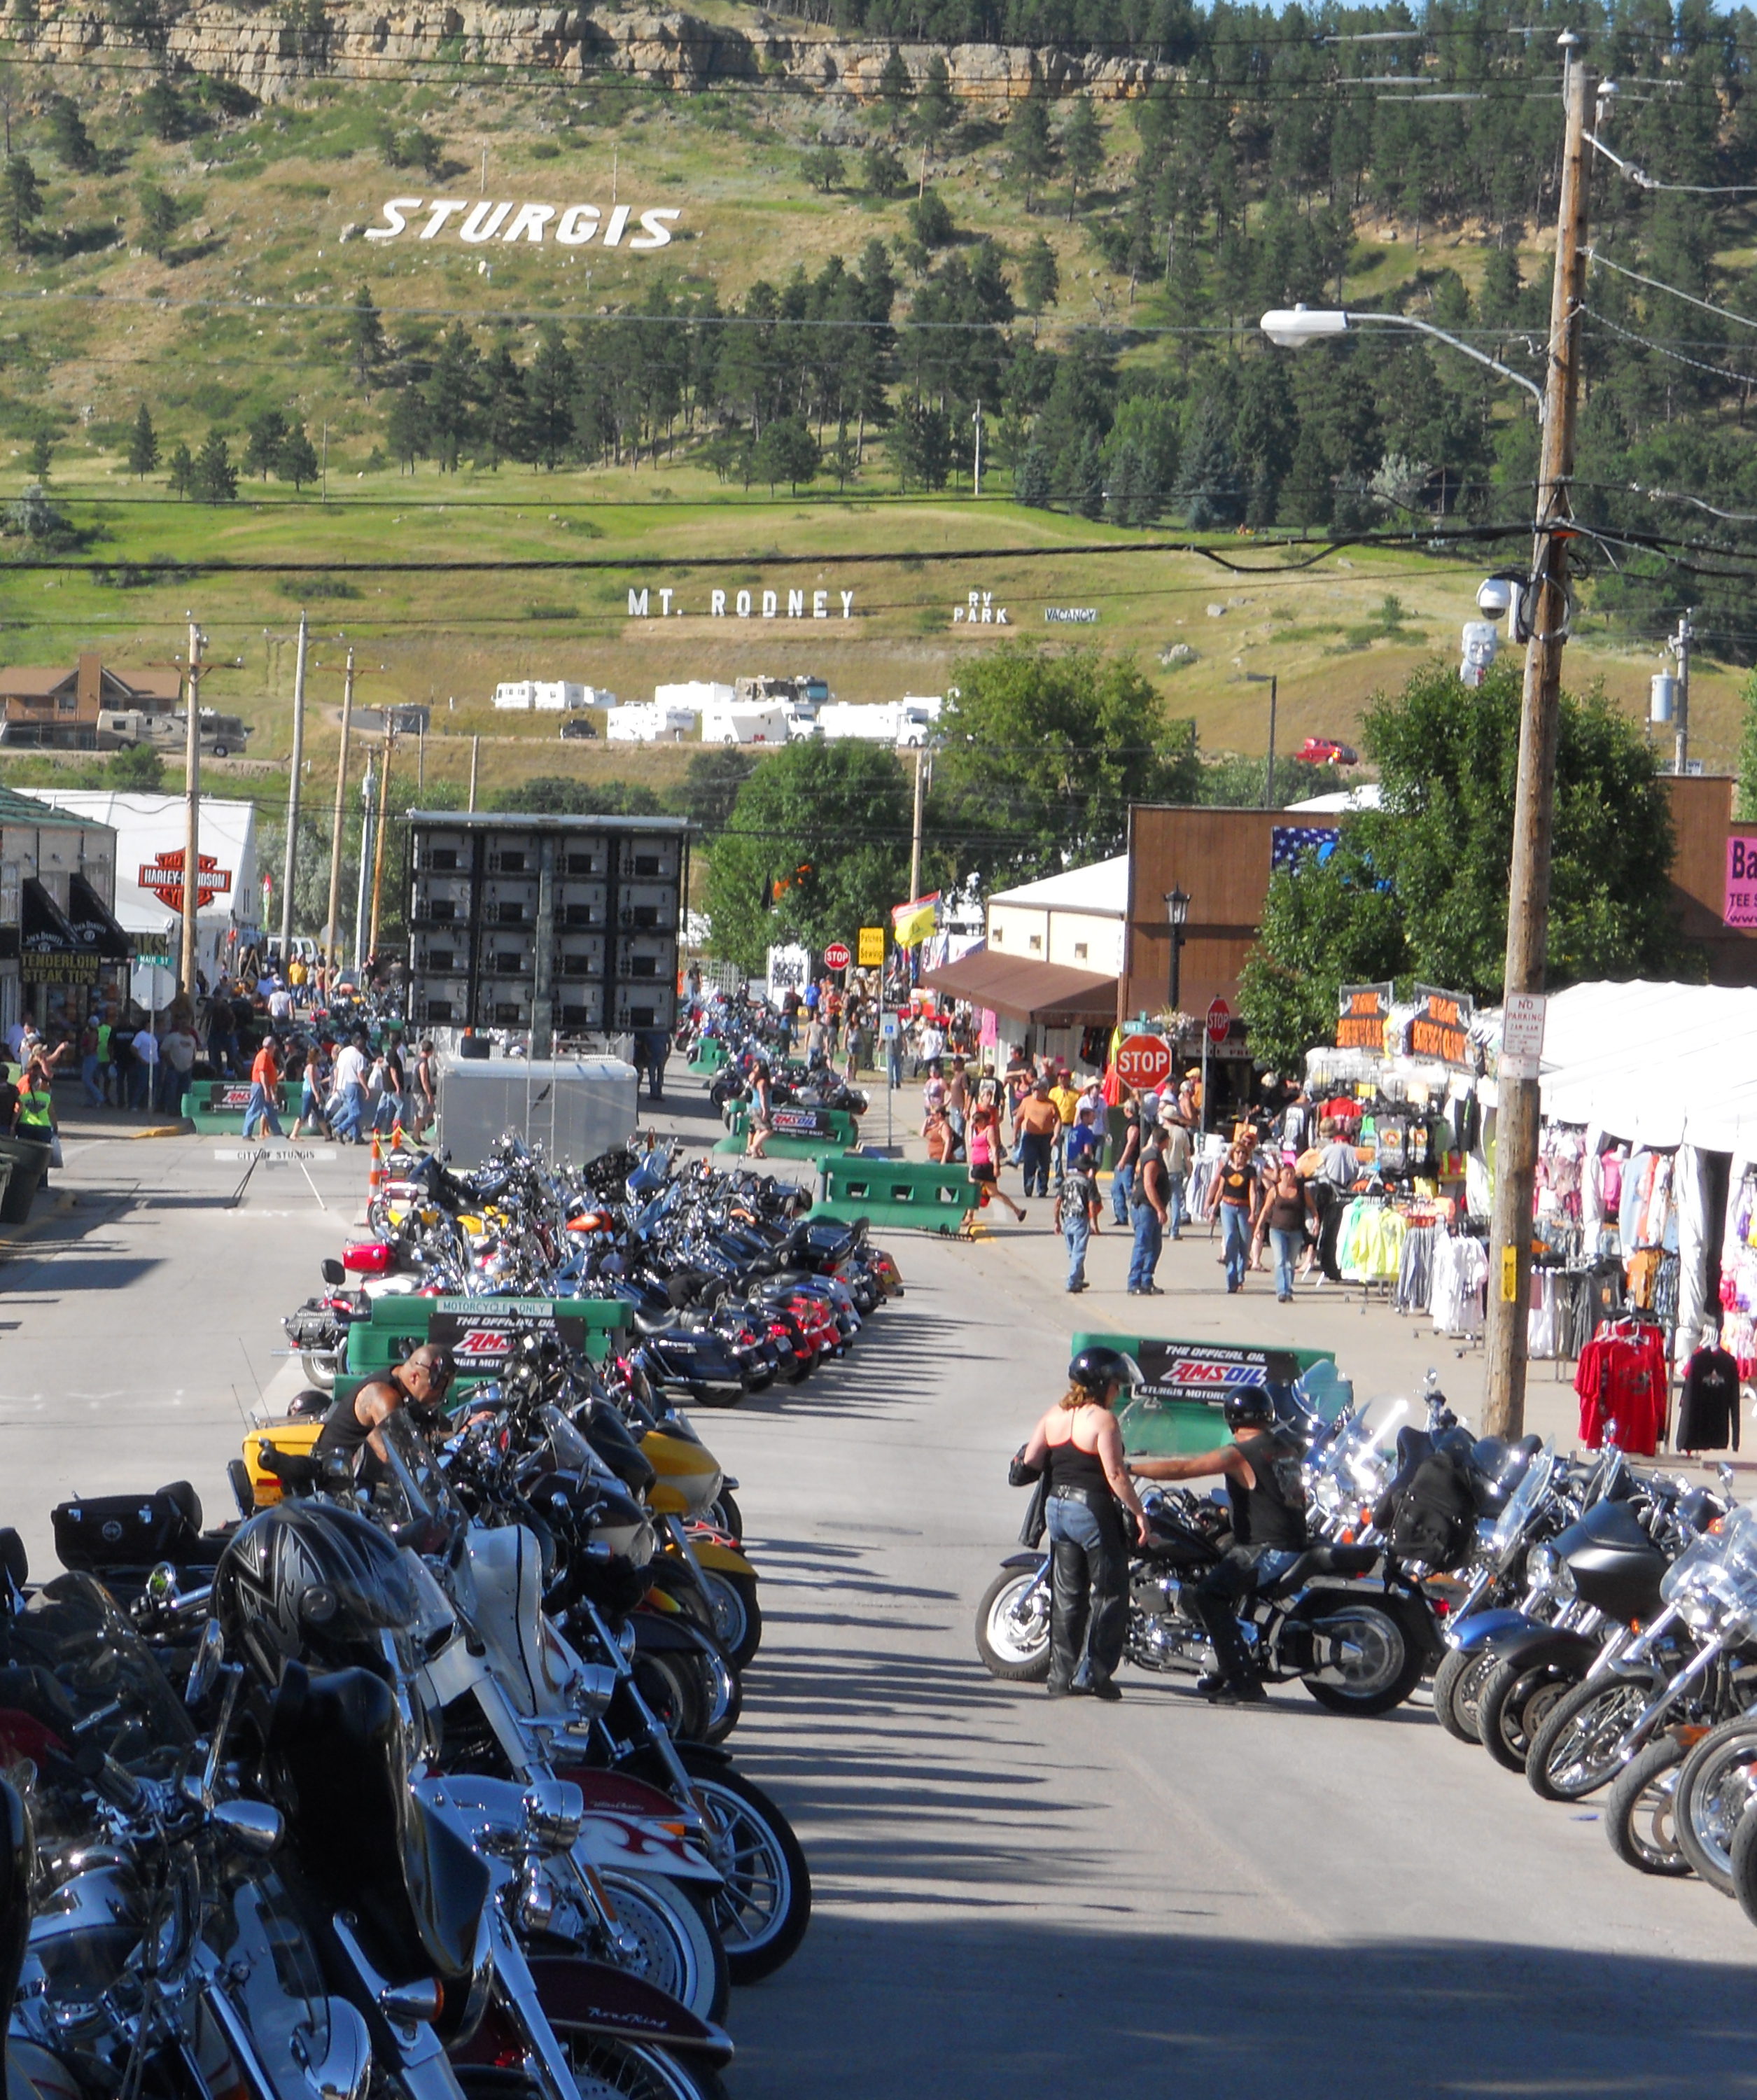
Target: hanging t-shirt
[
  {"x": 1708, "y": 1416},
  {"x": 1621, "y": 1380}
]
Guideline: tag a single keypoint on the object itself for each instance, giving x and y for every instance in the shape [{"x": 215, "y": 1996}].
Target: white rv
[
  {"x": 648, "y": 723},
  {"x": 738, "y": 724}
]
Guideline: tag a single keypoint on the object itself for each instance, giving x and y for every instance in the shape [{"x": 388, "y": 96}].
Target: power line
[
  {"x": 1643, "y": 180},
  {"x": 1725, "y": 313}
]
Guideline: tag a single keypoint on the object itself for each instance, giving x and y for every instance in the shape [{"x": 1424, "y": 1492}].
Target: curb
[{"x": 186, "y": 1128}]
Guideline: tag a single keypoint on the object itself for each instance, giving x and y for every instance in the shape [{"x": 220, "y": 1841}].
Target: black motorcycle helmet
[
  {"x": 1095, "y": 1371},
  {"x": 1250, "y": 1407},
  {"x": 306, "y": 1581}
]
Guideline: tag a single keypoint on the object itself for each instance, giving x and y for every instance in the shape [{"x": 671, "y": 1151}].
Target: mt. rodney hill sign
[{"x": 573, "y": 225}]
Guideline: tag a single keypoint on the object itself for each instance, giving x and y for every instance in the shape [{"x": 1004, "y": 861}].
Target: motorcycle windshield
[
  {"x": 1721, "y": 1565},
  {"x": 271, "y": 1973},
  {"x": 1523, "y": 1503},
  {"x": 87, "y": 1666}
]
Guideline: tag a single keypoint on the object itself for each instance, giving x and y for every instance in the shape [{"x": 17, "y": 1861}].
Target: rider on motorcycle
[
  {"x": 1261, "y": 1469},
  {"x": 351, "y": 1428}
]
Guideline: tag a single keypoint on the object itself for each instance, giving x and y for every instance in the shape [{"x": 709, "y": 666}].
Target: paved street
[{"x": 1013, "y": 1898}]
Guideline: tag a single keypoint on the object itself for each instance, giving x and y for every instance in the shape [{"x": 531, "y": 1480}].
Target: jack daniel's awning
[{"x": 67, "y": 947}]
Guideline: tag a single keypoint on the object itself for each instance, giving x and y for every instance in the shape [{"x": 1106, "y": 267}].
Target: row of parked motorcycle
[
  {"x": 752, "y": 1036},
  {"x": 1590, "y": 1623},
  {"x": 423, "y": 1790}
]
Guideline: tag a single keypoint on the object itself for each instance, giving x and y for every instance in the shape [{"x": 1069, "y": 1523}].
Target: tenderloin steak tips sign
[{"x": 476, "y": 223}]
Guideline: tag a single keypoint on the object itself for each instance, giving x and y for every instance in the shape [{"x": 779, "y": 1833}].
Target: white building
[
  {"x": 151, "y": 833},
  {"x": 1076, "y": 919}
]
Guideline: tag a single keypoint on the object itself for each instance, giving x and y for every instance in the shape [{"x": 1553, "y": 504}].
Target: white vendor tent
[
  {"x": 150, "y": 826},
  {"x": 1656, "y": 1064}
]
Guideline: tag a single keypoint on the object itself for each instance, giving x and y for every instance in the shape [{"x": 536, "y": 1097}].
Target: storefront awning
[
  {"x": 69, "y": 947},
  {"x": 1050, "y": 993}
]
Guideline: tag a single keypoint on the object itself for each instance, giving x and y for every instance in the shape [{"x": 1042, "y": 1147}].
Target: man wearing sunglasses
[{"x": 351, "y": 1428}]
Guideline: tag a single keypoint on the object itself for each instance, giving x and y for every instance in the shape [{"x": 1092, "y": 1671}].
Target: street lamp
[
  {"x": 1292, "y": 328},
  {"x": 1177, "y": 912}
]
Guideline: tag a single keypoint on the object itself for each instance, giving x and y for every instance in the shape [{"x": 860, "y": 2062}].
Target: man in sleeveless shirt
[
  {"x": 351, "y": 1428},
  {"x": 1268, "y": 1533}
]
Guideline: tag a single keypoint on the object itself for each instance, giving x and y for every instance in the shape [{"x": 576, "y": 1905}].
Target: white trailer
[
  {"x": 648, "y": 723},
  {"x": 517, "y": 694},
  {"x": 734, "y": 724},
  {"x": 556, "y": 695},
  {"x": 697, "y": 695},
  {"x": 903, "y": 723}
]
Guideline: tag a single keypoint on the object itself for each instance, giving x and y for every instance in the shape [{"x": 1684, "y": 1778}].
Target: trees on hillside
[
  {"x": 143, "y": 444},
  {"x": 1418, "y": 889},
  {"x": 20, "y": 199}
]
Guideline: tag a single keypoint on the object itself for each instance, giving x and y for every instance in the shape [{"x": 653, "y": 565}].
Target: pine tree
[
  {"x": 142, "y": 445},
  {"x": 1031, "y": 481},
  {"x": 181, "y": 471},
  {"x": 1208, "y": 486},
  {"x": 20, "y": 199},
  {"x": 297, "y": 460},
  {"x": 1085, "y": 478},
  {"x": 159, "y": 214},
  {"x": 896, "y": 89},
  {"x": 1029, "y": 151},
  {"x": 823, "y": 167},
  {"x": 213, "y": 479},
  {"x": 67, "y": 134},
  {"x": 1040, "y": 280},
  {"x": 267, "y": 435},
  {"x": 42, "y": 451},
  {"x": 936, "y": 109},
  {"x": 366, "y": 343},
  {"x": 549, "y": 391},
  {"x": 1082, "y": 150}
]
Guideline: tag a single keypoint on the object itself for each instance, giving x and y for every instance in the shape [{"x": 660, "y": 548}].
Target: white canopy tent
[{"x": 1656, "y": 1064}]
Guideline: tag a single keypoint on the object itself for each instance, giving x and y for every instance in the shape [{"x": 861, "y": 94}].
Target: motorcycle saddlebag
[
  {"x": 1434, "y": 1521},
  {"x": 124, "y": 1531}
]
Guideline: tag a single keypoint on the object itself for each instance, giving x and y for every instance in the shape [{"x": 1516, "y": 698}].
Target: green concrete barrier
[
  {"x": 1178, "y": 1409},
  {"x": 479, "y": 1330},
  {"x": 217, "y": 1105},
  {"x": 918, "y": 1196},
  {"x": 710, "y": 1055},
  {"x": 795, "y": 1133}
]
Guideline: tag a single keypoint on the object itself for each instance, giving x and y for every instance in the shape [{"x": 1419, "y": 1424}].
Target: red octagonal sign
[
  {"x": 1143, "y": 1062},
  {"x": 836, "y": 956}
]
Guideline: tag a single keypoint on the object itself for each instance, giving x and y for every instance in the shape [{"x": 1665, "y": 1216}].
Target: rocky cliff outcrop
[{"x": 272, "y": 52}]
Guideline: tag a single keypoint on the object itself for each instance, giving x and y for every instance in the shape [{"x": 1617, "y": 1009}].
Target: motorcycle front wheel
[
  {"x": 674, "y": 1688},
  {"x": 1457, "y": 1685},
  {"x": 737, "y": 1614},
  {"x": 1012, "y": 1626},
  {"x": 1373, "y": 1666},
  {"x": 764, "y": 1903},
  {"x": 1715, "y": 1787},
  {"x": 1514, "y": 1705},
  {"x": 603, "y": 2069},
  {"x": 677, "y": 1947},
  {"x": 1579, "y": 1748},
  {"x": 1745, "y": 1867},
  {"x": 1641, "y": 1811}
]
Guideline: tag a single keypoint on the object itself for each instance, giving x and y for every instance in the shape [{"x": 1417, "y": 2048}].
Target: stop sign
[
  {"x": 1220, "y": 1019},
  {"x": 836, "y": 956},
  {"x": 1143, "y": 1062}
]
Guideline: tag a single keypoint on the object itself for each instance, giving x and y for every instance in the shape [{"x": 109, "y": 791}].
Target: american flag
[{"x": 1287, "y": 842}]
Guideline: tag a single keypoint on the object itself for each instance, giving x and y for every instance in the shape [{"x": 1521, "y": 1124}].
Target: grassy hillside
[{"x": 247, "y": 310}]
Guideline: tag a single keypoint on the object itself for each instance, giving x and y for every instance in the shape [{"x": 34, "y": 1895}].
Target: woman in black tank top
[{"x": 1079, "y": 1448}]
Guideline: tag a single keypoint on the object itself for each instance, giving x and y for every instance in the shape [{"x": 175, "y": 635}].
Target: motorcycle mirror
[
  {"x": 209, "y": 1658},
  {"x": 253, "y": 1826}
]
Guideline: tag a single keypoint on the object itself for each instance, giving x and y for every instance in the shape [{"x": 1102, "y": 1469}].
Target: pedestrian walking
[
  {"x": 983, "y": 1148},
  {"x": 1066, "y": 1097},
  {"x": 1122, "y": 1179},
  {"x": 178, "y": 1053},
  {"x": 146, "y": 1071},
  {"x": 314, "y": 1080},
  {"x": 1287, "y": 1212},
  {"x": 1234, "y": 1201},
  {"x": 1174, "y": 1143},
  {"x": 1037, "y": 1122},
  {"x": 426, "y": 1091},
  {"x": 265, "y": 1080},
  {"x": 1078, "y": 1447},
  {"x": 756, "y": 1144},
  {"x": 33, "y": 1110},
  {"x": 88, "y": 1063},
  {"x": 1077, "y": 1219},
  {"x": 1147, "y": 1212}
]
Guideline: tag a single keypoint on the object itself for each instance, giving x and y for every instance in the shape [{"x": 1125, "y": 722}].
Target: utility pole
[
  {"x": 914, "y": 839},
  {"x": 977, "y": 470},
  {"x": 378, "y": 857},
  {"x": 290, "y": 864},
  {"x": 191, "y": 851},
  {"x": 366, "y": 788},
  {"x": 1516, "y": 1144},
  {"x": 1681, "y": 648},
  {"x": 1269, "y": 775},
  {"x": 332, "y": 928},
  {"x": 475, "y": 753}
]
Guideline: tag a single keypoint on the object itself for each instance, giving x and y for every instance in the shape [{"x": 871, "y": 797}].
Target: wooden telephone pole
[
  {"x": 1545, "y": 613},
  {"x": 191, "y": 851},
  {"x": 291, "y": 862},
  {"x": 332, "y": 939}
]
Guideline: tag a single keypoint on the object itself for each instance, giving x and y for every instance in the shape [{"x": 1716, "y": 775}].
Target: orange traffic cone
[
  {"x": 375, "y": 1180},
  {"x": 398, "y": 1140}
]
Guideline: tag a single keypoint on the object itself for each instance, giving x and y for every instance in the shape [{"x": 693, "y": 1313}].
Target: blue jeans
[
  {"x": 1077, "y": 1230},
  {"x": 1235, "y": 1242},
  {"x": 260, "y": 1113},
  {"x": 1149, "y": 1236},
  {"x": 1034, "y": 1157},
  {"x": 1058, "y": 1144},
  {"x": 1287, "y": 1242},
  {"x": 1174, "y": 1204},
  {"x": 88, "y": 1078},
  {"x": 1121, "y": 1183},
  {"x": 347, "y": 1118}
]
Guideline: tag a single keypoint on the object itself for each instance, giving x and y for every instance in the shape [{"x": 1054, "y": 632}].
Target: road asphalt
[{"x": 1014, "y": 1898}]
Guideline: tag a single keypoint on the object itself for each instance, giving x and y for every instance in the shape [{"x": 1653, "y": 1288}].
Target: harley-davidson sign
[{"x": 164, "y": 877}]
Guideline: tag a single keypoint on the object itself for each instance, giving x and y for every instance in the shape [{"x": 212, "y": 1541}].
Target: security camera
[{"x": 1495, "y": 596}]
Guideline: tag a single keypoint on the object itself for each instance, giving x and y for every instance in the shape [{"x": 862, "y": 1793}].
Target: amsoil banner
[
  {"x": 482, "y": 1337},
  {"x": 1177, "y": 1409}
]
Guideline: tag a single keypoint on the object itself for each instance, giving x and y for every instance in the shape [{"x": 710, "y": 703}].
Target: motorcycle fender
[
  {"x": 1032, "y": 1561},
  {"x": 637, "y": 1845},
  {"x": 1536, "y": 1647},
  {"x": 1486, "y": 1629},
  {"x": 591, "y": 1997},
  {"x": 674, "y": 1636},
  {"x": 727, "y": 1560}
]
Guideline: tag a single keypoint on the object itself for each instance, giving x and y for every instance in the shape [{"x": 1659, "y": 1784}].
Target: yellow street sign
[{"x": 871, "y": 948}]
